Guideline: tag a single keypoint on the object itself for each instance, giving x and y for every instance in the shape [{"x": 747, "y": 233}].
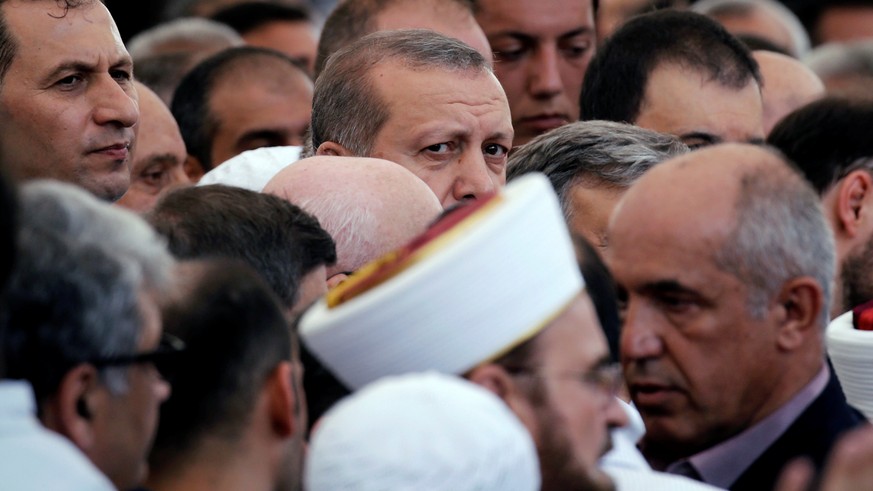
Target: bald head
[
  {"x": 742, "y": 206},
  {"x": 788, "y": 85},
  {"x": 369, "y": 206}
]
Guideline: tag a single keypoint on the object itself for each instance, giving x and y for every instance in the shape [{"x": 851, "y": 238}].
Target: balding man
[
  {"x": 423, "y": 100},
  {"x": 726, "y": 289},
  {"x": 159, "y": 155},
  {"x": 369, "y": 206},
  {"x": 241, "y": 99},
  {"x": 787, "y": 85}
]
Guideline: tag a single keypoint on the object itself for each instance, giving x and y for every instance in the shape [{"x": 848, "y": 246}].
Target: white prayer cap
[
  {"x": 479, "y": 283},
  {"x": 851, "y": 352},
  {"x": 423, "y": 432},
  {"x": 252, "y": 169}
]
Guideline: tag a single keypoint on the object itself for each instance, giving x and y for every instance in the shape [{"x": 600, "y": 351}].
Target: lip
[
  {"x": 545, "y": 122},
  {"x": 651, "y": 394},
  {"x": 116, "y": 151}
]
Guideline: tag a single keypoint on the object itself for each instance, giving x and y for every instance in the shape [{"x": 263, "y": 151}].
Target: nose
[
  {"x": 616, "y": 416},
  {"x": 473, "y": 179},
  {"x": 544, "y": 76},
  {"x": 162, "y": 390},
  {"x": 639, "y": 339},
  {"x": 114, "y": 102}
]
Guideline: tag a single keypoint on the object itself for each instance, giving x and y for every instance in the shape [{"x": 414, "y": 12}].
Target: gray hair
[
  {"x": 593, "y": 152},
  {"x": 72, "y": 212},
  {"x": 351, "y": 223},
  {"x": 799, "y": 38},
  {"x": 346, "y": 108},
  {"x": 780, "y": 233},
  {"x": 837, "y": 59},
  {"x": 76, "y": 250},
  {"x": 163, "y": 54}
]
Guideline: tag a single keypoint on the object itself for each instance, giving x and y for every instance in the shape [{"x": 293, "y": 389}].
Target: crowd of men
[{"x": 436, "y": 245}]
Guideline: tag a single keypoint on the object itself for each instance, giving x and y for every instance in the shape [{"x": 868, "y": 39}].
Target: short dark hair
[
  {"x": 190, "y": 104},
  {"x": 248, "y": 16},
  {"x": 351, "y": 21},
  {"x": 278, "y": 239},
  {"x": 826, "y": 139},
  {"x": 615, "y": 83},
  {"x": 235, "y": 334}
]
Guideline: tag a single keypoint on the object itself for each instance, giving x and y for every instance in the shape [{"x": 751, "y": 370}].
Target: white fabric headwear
[
  {"x": 851, "y": 352},
  {"x": 252, "y": 169},
  {"x": 480, "y": 288},
  {"x": 423, "y": 432}
]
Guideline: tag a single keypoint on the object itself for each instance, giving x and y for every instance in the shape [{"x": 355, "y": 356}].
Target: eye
[
  {"x": 69, "y": 81},
  {"x": 439, "y": 148},
  {"x": 508, "y": 52},
  {"x": 155, "y": 176},
  {"x": 575, "y": 48},
  {"x": 121, "y": 75},
  {"x": 495, "y": 150}
]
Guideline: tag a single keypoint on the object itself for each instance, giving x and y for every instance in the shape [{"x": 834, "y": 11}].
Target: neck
[{"x": 217, "y": 466}]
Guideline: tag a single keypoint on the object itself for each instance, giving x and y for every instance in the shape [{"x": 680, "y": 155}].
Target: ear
[
  {"x": 281, "y": 400},
  {"x": 336, "y": 279},
  {"x": 71, "y": 411},
  {"x": 333, "y": 149},
  {"x": 496, "y": 379},
  {"x": 193, "y": 169},
  {"x": 801, "y": 302},
  {"x": 854, "y": 192}
]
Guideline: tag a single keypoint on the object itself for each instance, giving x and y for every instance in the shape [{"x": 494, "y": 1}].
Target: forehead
[
  {"x": 250, "y": 91},
  {"x": 534, "y": 17},
  {"x": 574, "y": 340},
  {"x": 425, "y": 95},
  {"x": 47, "y": 34},
  {"x": 682, "y": 101}
]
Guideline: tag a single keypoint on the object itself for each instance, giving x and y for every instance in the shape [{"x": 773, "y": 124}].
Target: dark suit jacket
[{"x": 811, "y": 435}]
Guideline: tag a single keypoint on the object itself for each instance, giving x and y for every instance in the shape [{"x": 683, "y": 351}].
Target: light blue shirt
[{"x": 35, "y": 458}]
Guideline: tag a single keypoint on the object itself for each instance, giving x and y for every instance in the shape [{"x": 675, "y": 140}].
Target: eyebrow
[
  {"x": 667, "y": 286},
  {"x": 81, "y": 66},
  {"x": 265, "y": 134},
  {"x": 705, "y": 138},
  {"x": 529, "y": 38}
]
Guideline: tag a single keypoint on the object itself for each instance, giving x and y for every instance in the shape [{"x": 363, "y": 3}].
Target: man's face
[
  {"x": 158, "y": 157},
  {"x": 67, "y": 104},
  {"x": 541, "y": 51},
  {"x": 451, "y": 129},
  {"x": 698, "y": 366},
  {"x": 298, "y": 40},
  {"x": 571, "y": 416},
  {"x": 684, "y": 103},
  {"x": 125, "y": 430},
  {"x": 253, "y": 112}
]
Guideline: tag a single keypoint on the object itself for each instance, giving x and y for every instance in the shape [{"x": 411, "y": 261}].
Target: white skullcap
[
  {"x": 252, "y": 169},
  {"x": 851, "y": 352},
  {"x": 478, "y": 289},
  {"x": 422, "y": 432}
]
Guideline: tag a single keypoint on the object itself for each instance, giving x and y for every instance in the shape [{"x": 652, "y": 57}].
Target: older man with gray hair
[
  {"x": 591, "y": 164},
  {"x": 725, "y": 263},
  {"x": 84, "y": 328},
  {"x": 423, "y": 100}
]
